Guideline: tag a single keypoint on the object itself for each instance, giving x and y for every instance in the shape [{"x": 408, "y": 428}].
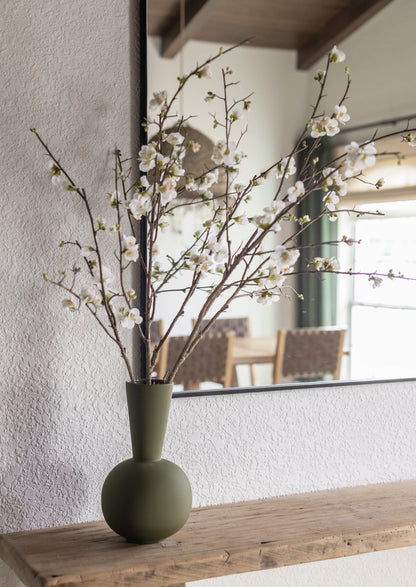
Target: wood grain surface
[{"x": 221, "y": 540}]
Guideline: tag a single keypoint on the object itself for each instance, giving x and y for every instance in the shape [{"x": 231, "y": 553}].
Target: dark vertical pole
[{"x": 138, "y": 67}]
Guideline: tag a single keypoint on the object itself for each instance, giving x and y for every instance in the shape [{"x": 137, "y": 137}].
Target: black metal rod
[{"x": 138, "y": 70}]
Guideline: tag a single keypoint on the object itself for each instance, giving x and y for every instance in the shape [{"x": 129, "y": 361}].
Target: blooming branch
[{"x": 222, "y": 261}]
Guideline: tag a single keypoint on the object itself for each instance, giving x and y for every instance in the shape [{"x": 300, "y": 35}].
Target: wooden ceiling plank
[
  {"x": 338, "y": 28},
  {"x": 196, "y": 12}
]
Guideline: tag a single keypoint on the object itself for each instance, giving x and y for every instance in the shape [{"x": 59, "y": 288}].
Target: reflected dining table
[{"x": 254, "y": 350}]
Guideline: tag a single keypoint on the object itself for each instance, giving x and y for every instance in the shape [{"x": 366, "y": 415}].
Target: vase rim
[{"x": 147, "y": 382}]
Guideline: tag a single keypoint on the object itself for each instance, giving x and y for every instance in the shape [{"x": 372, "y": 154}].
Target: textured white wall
[
  {"x": 62, "y": 415},
  {"x": 65, "y": 69}
]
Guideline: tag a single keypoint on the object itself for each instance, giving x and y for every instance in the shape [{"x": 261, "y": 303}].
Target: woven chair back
[
  {"x": 309, "y": 352},
  {"x": 211, "y": 360},
  {"x": 240, "y": 326}
]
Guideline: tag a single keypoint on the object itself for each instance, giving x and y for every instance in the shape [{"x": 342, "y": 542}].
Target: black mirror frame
[{"x": 139, "y": 98}]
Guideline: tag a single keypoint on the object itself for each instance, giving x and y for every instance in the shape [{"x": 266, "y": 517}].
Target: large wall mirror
[{"x": 379, "y": 323}]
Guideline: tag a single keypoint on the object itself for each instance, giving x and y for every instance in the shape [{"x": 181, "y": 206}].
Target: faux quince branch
[{"x": 232, "y": 254}]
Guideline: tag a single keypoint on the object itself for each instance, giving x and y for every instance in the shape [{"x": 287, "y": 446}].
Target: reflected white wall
[{"x": 276, "y": 118}]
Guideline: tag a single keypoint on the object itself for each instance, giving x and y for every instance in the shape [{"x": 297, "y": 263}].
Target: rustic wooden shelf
[{"x": 221, "y": 540}]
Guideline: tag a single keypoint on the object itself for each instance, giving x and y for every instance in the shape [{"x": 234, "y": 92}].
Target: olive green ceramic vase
[{"x": 146, "y": 498}]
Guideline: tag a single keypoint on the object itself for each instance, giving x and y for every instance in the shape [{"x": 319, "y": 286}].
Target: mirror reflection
[{"x": 364, "y": 332}]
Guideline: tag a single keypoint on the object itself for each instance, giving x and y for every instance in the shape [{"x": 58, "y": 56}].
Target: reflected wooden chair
[
  {"x": 156, "y": 330},
  {"x": 241, "y": 329},
  {"x": 308, "y": 352},
  {"x": 156, "y": 333},
  {"x": 211, "y": 360}
]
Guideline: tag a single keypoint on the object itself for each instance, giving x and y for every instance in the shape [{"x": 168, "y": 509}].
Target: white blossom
[
  {"x": 236, "y": 114},
  {"x": 336, "y": 55},
  {"x": 266, "y": 220},
  {"x": 359, "y": 158},
  {"x": 273, "y": 278},
  {"x": 341, "y": 114},
  {"x": 167, "y": 191},
  {"x": 147, "y": 157},
  {"x": 114, "y": 198},
  {"x": 55, "y": 172},
  {"x": 223, "y": 154},
  {"x": 206, "y": 181},
  {"x": 239, "y": 188},
  {"x": 295, "y": 192},
  {"x": 129, "y": 317},
  {"x": 201, "y": 261},
  {"x": 333, "y": 181},
  {"x": 217, "y": 249},
  {"x": 162, "y": 160},
  {"x": 286, "y": 166},
  {"x": 130, "y": 248},
  {"x": 194, "y": 146},
  {"x": 326, "y": 264},
  {"x": 410, "y": 139},
  {"x": 139, "y": 204},
  {"x": 241, "y": 219},
  {"x": 107, "y": 275},
  {"x": 159, "y": 98},
  {"x": 174, "y": 138},
  {"x": 269, "y": 217},
  {"x": 68, "y": 303},
  {"x": 266, "y": 297},
  {"x": 176, "y": 170},
  {"x": 318, "y": 128},
  {"x": 205, "y": 72},
  {"x": 143, "y": 182},
  {"x": 376, "y": 281},
  {"x": 101, "y": 223},
  {"x": 284, "y": 258},
  {"x": 163, "y": 225},
  {"x": 324, "y": 126},
  {"x": 331, "y": 200},
  {"x": 90, "y": 295},
  {"x": 275, "y": 207},
  {"x": 179, "y": 151},
  {"x": 331, "y": 126}
]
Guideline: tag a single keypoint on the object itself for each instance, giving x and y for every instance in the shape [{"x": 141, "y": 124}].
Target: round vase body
[
  {"x": 146, "y": 501},
  {"x": 146, "y": 498}
]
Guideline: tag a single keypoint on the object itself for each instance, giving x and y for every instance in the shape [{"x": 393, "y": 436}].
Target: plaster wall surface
[{"x": 63, "y": 418}]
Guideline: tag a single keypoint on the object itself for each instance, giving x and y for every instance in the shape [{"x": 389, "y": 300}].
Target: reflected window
[{"x": 381, "y": 320}]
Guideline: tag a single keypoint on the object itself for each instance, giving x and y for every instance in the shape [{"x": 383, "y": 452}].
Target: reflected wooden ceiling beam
[
  {"x": 337, "y": 29},
  {"x": 197, "y": 11}
]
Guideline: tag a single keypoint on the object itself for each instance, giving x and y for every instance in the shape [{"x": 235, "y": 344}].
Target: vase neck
[{"x": 148, "y": 407}]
